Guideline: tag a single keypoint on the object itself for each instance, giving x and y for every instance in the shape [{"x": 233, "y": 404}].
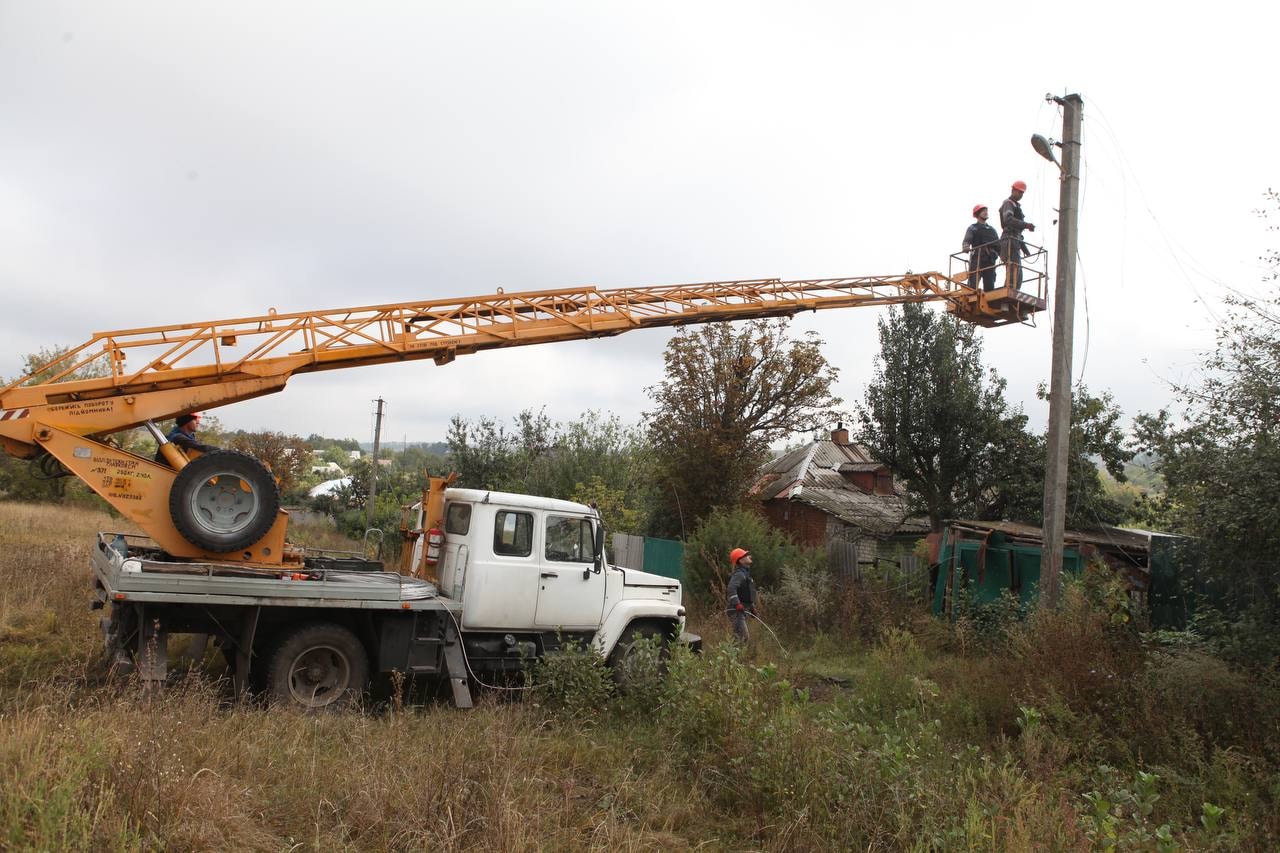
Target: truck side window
[
  {"x": 513, "y": 534},
  {"x": 457, "y": 519},
  {"x": 568, "y": 539}
]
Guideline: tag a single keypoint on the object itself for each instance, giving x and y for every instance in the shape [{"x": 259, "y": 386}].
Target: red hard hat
[
  {"x": 978, "y": 207},
  {"x": 737, "y": 554},
  {"x": 1020, "y": 185}
]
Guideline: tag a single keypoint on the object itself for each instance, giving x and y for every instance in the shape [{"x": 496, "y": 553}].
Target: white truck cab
[{"x": 532, "y": 564}]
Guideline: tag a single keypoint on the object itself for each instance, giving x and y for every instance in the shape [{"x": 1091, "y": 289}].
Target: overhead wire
[
  {"x": 1084, "y": 283},
  {"x": 1169, "y": 241}
]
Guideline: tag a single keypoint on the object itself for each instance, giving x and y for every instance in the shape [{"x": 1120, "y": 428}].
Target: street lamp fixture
[{"x": 1044, "y": 147}]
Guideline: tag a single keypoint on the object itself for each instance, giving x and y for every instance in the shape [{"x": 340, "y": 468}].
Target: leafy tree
[
  {"x": 613, "y": 505},
  {"x": 541, "y": 457},
  {"x": 1096, "y": 436},
  {"x": 728, "y": 393},
  {"x": 941, "y": 424},
  {"x": 706, "y": 553},
  {"x": 483, "y": 452},
  {"x": 319, "y": 442},
  {"x": 288, "y": 456},
  {"x": 37, "y": 366},
  {"x": 937, "y": 420},
  {"x": 1220, "y": 455},
  {"x": 36, "y": 480}
]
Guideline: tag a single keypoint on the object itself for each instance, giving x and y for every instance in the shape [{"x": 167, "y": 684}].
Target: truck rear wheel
[
  {"x": 318, "y": 667},
  {"x": 224, "y": 501}
]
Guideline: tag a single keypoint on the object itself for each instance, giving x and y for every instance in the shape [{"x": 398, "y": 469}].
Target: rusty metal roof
[
  {"x": 1104, "y": 536},
  {"x": 813, "y": 475}
]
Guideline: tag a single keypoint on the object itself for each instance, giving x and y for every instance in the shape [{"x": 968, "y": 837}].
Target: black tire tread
[
  {"x": 295, "y": 642},
  {"x": 208, "y": 465}
]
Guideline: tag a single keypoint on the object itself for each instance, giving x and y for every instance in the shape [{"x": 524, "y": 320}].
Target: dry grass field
[{"x": 1055, "y": 735}]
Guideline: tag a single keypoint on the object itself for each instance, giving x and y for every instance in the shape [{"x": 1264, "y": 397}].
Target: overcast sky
[{"x": 173, "y": 162}]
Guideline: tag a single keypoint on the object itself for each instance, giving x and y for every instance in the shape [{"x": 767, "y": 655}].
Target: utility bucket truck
[
  {"x": 493, "y": 580},
  {"x": 519, "y": 576}
]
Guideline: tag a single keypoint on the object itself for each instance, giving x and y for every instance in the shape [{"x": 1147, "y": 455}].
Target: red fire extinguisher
[{"x": 435, "y": 539}]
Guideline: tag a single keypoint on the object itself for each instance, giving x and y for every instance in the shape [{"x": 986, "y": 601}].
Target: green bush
[
  {"x": 806, "y": 599},
  {"x": 641, "y": 677},
  {"x": 573, "y": 682},
  {"x": 706, "y": 553}
]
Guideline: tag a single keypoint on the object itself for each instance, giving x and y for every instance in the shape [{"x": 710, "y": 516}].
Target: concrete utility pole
[
  {"x": 1064, "y": 309},
  {"x": 373, "y": 481}
]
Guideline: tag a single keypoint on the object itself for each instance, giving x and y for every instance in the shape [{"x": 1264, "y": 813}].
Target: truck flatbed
[{"x": 137, "y": 572}]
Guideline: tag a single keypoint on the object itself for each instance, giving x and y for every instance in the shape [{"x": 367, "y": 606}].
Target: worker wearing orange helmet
[
  {"x": 983, "y": 245},
  {"x": 742, "y": 593},
  {"x": 1012, "y": 223}
]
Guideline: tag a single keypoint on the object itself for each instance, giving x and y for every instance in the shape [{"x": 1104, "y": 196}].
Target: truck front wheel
[
  {"x": 318, "y": 667},
  {"x": 630, "y": 666}
]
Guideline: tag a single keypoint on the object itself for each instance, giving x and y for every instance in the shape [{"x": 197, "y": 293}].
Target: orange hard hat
[
  {"x": 978, "y": 207},
  {"x": 737, "y": 554},
  {"x": 1020, "y": 186}
]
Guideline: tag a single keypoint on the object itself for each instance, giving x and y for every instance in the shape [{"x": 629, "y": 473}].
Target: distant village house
[{"x": 831, "y": 493}]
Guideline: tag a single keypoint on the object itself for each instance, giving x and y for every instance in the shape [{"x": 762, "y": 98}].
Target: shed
[{"x": 989, "y": 558}]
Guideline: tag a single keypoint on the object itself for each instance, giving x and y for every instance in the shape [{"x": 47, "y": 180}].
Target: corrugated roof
[
  {"x": 1104, "y": 535},
  {"x": 812, "y": 475}
]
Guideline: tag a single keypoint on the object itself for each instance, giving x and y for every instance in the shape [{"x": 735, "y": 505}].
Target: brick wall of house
[{"x": 806, "y": 525}]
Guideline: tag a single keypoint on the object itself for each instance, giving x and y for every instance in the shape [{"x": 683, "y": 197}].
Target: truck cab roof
[{"x": 482, "y": 496}]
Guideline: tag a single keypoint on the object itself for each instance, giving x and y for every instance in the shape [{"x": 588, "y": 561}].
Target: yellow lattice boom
[
  {"x": 166, "y": 370},
  {"x": 144, "y": 375}
]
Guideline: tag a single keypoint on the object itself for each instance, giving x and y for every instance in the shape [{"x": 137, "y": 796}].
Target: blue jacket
[
  {"x": 185, "y": 442},
  {"x": 742, "y": 590}
]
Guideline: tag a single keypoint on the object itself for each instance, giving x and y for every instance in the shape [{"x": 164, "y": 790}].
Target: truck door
[
  {"x": 570, "y": 592},
  {"x": 501, "y": 580}
]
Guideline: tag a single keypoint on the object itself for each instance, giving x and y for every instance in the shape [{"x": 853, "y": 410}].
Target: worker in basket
[
  {"x": 983, "y": 245},
  {"x": 1012, "y": 223}
]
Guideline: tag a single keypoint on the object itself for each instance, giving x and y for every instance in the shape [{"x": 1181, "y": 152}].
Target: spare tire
[{"x": 224, "y": 501}]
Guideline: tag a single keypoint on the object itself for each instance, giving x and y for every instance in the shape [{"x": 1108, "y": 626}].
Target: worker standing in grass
[
  {"x": 982, "y": 243},
  {"x": 742, "y": 593},
  {"x": 1012, "y": 224}
]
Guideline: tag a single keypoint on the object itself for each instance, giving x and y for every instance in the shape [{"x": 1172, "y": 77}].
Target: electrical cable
[
  {"x": 1169, "y": 241},
  {"x": 466, "y": 659},
  {"x": 1088, "y": 325},
  {"x": 1084, "y": 282},
  {"x": 770, "y": 630}
]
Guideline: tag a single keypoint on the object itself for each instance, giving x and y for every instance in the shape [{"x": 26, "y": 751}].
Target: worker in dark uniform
[
  {"x": 183, "y": 435},
  {"x": 742, "y": 593},
  {"x": 983, "y": 245},
  {"x": 1012, "y": 224}
]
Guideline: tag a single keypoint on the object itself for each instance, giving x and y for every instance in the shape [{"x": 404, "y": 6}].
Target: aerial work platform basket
[{"x": 1020, "y": 289}]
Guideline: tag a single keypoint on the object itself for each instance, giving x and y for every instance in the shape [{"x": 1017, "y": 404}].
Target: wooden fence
[{"x": 858, "y": 562}]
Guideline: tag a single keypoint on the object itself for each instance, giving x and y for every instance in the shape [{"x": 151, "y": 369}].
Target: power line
[{"x": 1169, "y": 240}]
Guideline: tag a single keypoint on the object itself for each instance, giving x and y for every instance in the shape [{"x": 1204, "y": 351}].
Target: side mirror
[{"x": 597, "y": 550}]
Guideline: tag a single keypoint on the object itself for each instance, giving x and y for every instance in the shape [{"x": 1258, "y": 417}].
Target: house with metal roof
[{"x": 832, "y": 491}]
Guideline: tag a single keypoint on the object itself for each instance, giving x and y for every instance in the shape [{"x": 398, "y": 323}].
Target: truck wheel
[
  {"x": 224, "y": 501},
  {"x": 318, "y": 667},
  {"x": 628, "y": 668}
]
